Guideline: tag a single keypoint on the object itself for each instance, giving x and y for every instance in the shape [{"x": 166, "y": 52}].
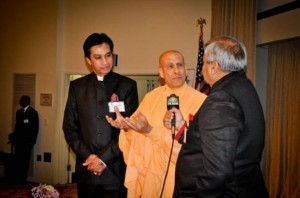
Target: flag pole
[{"x": 199, "y": 78}]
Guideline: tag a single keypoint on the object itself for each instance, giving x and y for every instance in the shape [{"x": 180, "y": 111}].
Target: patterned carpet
[{"x": 10, "y": 190}]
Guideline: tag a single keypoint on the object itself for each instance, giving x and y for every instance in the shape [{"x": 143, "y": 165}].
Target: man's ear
[
  {"x": 161, "y": 73},
  {"x": 88, "y": 60},
  {"x": 213, "y": 67}
]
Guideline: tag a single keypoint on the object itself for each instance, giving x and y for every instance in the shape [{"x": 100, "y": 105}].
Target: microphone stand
[{"x": 173, "y": 128}]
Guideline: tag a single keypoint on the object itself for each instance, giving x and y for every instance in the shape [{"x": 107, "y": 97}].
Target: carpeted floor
[{"x": 10, "y": 190}]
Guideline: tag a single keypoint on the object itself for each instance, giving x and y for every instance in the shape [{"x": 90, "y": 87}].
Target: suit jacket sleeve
[
  {"x": 71, "y": 126},
  {"x": 34, "y": 120},
  {"x": 220, "y": 124}
]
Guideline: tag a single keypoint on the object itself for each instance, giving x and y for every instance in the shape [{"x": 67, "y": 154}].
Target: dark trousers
[
  {"x": 99, "y": 191},
  {"x": 22, "y": 160}
]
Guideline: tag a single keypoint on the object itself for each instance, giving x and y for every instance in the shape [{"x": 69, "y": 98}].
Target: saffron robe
[{"x": 147, "y": 155}]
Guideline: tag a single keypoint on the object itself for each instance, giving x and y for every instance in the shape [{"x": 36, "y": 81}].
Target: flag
[{"x": 199, "y": 76}]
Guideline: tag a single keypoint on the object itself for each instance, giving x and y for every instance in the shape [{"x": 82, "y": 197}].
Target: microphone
[{"x": 173, "y": 101}]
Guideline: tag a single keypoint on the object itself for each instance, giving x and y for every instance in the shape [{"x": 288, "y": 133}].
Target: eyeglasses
[{"x": 208, "y": 62}]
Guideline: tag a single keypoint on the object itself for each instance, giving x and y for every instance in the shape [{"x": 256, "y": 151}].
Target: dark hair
[{"x": 96, "y": 39}]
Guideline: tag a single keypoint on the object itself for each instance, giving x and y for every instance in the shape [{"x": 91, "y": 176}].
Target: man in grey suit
[
  {"x": 223, "y": 149},
  {"x": 100, "y": 168}
]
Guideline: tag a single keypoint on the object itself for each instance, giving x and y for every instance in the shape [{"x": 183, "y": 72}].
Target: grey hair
[{"x": 230, "y": 53}]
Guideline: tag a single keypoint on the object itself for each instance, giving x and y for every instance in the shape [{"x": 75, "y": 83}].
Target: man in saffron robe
[{"x": 145, "y": 141}]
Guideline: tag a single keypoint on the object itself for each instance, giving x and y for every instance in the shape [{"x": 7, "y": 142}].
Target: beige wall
[
  {"x": 141, "y": 30},
  {"x": 46, "y": 37},
  {"x": 28, "y": 45},
  {"x": 279, "y": 27}
]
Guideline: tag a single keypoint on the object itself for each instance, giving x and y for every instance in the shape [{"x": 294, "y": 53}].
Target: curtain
[
  {"x": 238, "y": 19},
  {"x": 282, "y": 148}
]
